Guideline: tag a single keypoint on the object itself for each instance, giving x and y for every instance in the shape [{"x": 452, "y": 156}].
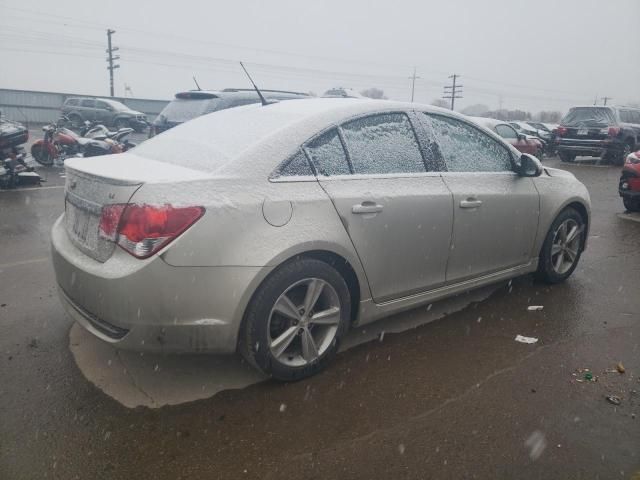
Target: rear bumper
[
  {"x": 592, "y": 148},
  {"x": 148, "y": 305}
]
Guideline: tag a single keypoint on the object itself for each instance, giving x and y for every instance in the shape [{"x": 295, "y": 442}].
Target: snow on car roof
[{"x": 227, "y": 141}]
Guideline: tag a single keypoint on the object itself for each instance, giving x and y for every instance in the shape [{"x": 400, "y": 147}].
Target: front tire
[
  {"x": 567, "y": 157},
  {"x": 42, "y": 155},
  {"x": 562, "y": 247},
  {"x": 296, "y": 319},
  {"x": 631, "y": 204}
]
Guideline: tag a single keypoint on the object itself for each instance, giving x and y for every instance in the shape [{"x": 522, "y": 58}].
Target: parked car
[
  {"x": 281, "y": 226},
  {"x": 105, "y": 111},
  {"x": 629, "y": 187},
  {"x": 524, "y": 143},
  {"x": 610, "y": 133},
  {"x": 194, "y": 103},
  {"x": 342, "y": 92}
]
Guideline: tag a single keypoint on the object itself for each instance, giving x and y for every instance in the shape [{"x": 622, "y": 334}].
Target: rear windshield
[
  {"x": 181, "y": 109},
  {"x": 588, "y": 117},
  {"x": 212, "y": 141}
]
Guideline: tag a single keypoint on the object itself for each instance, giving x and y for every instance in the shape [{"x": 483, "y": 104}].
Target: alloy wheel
[
  {"x": 566, "y": 246},
  {"x": 303, "y": 322}
]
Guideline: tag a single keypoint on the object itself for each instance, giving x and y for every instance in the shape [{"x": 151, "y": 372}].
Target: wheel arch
[
  {"x": 582, "y": 210},
  {"x": 336, "y": 260}
]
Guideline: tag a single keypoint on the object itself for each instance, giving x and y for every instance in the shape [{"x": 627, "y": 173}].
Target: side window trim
[
  {"x": 427, "y": 143},
  {"x": 347, "y": 153}
]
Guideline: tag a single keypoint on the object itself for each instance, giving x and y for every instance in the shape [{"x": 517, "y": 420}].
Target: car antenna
[
  {"x": 196, "y": 82},
  {"x": 262, "y": 99}
]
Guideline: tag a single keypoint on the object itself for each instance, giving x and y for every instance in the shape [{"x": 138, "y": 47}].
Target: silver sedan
[{"x": 271, "y": 230}]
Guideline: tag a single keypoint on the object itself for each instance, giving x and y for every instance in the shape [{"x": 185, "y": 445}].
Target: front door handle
[
  {"x": 470, "y": 203},
  {"x": 366, "y": 207}
]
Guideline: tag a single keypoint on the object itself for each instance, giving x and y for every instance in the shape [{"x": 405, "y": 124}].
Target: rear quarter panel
[{"x": 235, "y": 232}]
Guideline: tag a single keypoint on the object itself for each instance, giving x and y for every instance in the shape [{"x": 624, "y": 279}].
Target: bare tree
[
  {"x": 439, "y": 102},
  {"x": 476, "y": 110},
  {"x": 373, "y": 92}
]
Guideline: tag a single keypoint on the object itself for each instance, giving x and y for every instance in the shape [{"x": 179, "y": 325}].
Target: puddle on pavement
[{"x": 155, "y": 380}]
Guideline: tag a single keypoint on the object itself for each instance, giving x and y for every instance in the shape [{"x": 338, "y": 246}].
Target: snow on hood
[
  {"x": 129, "y": 167},
  {"x": 557, "y": 172}
]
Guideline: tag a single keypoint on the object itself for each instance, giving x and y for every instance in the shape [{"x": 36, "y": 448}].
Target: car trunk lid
[{"x": 92, "y": 183}]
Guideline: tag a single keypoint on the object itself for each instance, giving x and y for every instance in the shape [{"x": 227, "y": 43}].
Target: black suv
[
  {"x": 105, "y": 111},
  {"x": 194, "y": 103},
  {"x": 610, "y": 133}
]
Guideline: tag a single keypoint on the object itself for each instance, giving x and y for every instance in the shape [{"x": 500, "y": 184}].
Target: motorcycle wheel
[{"x": 42, "y": 155}]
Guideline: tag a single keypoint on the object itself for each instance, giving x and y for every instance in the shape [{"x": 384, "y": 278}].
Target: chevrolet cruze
[{"x": 271, "y": 230}]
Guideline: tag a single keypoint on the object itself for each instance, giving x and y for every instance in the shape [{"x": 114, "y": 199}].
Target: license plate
[
  {"x": 81, "y": 225},
  {"x": 583, "y": 131}
]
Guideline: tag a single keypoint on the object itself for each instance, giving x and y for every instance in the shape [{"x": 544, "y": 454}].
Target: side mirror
[
  {"x": 521, "y": 136},
  {"x": 529, "y": 166}
]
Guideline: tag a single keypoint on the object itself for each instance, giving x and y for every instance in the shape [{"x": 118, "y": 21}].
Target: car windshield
[
  {"x": 588, "y": 117},
  {"x": 181, "y": 110}
]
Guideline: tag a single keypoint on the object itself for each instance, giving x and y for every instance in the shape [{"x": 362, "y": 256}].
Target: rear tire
[
  {"x": 562, "y": 247},
  {"x": 619, "y": 159},
  {"x": 631, "y": 204},
  {"x": 567, "y": 157},
  {"x": 42, "y": 155},
  {"x": 279, "y": 337}
]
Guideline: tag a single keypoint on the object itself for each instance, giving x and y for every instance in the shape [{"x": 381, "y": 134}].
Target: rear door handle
[
  {"x": 470, "y": 203},
  {"x": 366, "y": 207}
]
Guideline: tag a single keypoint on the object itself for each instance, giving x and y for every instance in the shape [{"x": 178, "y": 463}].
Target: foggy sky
[{"x": 535, "y": 55}]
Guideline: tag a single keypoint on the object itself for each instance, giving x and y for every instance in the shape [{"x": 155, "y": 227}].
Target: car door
[
  {"x": 495, "y": 210},
  {"x": 397, "y": 214},
  {"x": 88, "y": 109},
  {"x": 102, "y": 112}
]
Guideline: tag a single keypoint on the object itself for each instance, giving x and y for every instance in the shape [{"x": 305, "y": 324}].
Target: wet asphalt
[{"x": 457, "y": 398}]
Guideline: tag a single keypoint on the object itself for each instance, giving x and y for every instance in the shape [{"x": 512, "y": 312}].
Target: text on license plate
[
  {"x": 80, "y": 224},
  {"x": 583, "y": 131}
]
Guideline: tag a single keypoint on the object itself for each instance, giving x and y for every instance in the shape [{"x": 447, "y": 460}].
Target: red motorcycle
[
  {"x": 60, "y": 143},
  {"x": 629, "y": 187}
]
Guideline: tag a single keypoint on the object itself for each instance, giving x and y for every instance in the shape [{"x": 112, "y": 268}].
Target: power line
[{"x": 451, "y": 91}]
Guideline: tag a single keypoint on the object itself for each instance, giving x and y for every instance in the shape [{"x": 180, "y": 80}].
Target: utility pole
[
  {"x": 452, "y": 91},
  {"x": 111, "y": 58},
  {"x": 606, "y": 98},
  {"x": 413, "y": 82}
]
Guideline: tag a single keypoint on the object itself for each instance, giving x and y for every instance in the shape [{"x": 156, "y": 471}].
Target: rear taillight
[
  {"x": 611, "y": 131},
  {"x": 561, "y": 131},
  {"x": 143, "y": 230}
]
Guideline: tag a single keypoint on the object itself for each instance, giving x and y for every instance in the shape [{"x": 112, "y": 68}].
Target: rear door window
[
  {"x": 466, "y": 148},
  {"x": 328, "y": 155},
  {"x": 383, "y": 143}
]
